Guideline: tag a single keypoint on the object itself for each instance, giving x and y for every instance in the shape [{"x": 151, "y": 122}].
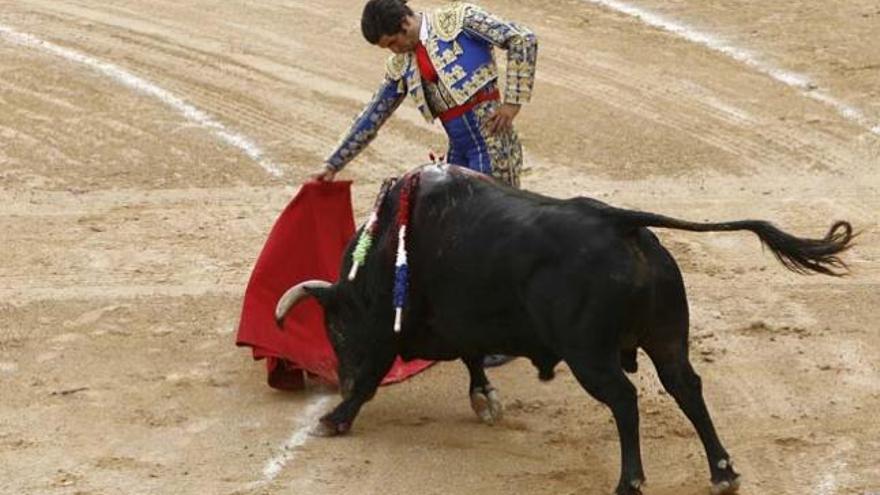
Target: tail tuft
[{"x": 810, "y": 255}]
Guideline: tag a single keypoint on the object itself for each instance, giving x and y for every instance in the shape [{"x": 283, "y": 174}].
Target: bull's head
[
  {"x": 318, "y": 288},
  {"x": 342, "y": 313}
]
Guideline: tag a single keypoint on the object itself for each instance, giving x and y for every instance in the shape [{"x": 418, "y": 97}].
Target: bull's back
[{"x": 491, "y": 264}]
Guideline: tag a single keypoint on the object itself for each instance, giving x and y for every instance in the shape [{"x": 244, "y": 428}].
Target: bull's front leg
[
  {"x": 356, "y": 392},
  {"x": 484, "y": 398}
]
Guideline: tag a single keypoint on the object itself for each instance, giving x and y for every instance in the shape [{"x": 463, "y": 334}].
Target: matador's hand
[
  {"x": 325, "y": 174},
  {"x": 502, "y": 119}
]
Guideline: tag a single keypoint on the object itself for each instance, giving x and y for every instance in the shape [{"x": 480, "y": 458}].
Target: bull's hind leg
[
  {"x": 484, "y": 398},
  {"x": 667, "y": 345},
  {"x": 600, "y": 373},
  {"x": 685, "y": 386}
]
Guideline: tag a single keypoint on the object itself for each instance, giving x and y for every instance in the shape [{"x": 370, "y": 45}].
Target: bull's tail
[{"x": 795, "y": 253}]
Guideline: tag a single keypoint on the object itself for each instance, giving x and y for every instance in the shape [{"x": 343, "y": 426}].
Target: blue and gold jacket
[{"x": 459, "y": 42}]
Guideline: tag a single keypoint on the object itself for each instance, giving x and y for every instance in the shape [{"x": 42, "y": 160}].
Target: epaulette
[
  {"x": 448, "y": 21},
  {"x": 395, "y": 66}
]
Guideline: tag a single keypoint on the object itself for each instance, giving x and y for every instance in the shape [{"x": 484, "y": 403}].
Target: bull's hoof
[
  {"x": 634, "y": 487},
  {"x": 326, "y": 427},
  {"x": 725, "y": 481},
  {"x": 487, "y": 405},
  {"x": 726, "y": 487}
]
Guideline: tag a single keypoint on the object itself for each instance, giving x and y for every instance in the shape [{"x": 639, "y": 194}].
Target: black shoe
[{"x": 493, "y": 360}]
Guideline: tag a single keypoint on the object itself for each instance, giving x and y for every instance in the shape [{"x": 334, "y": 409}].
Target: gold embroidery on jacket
[
  {"x": 447, "y": 21},
  {"x": 480, "y": 77},
  {"x": 453, "y": 74},
  {"x": 396, "y": 65},
  {"x": 448, "y": 55}
]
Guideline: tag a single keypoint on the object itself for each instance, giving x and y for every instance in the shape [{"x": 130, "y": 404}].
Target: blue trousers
[{"x": 471, "y": 145}]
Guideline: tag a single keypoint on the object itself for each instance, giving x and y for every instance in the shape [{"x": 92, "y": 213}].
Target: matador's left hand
[{"x": 502, "y": 119}]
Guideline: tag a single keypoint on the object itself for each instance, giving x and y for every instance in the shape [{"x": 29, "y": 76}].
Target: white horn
[{"x": 294, "y": 295}]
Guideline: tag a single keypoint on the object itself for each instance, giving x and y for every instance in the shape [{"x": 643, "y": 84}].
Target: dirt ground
[{"x": 129, "y": 232}]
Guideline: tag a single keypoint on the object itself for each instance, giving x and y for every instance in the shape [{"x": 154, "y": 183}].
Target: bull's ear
[{"x": 325, "y": 296}]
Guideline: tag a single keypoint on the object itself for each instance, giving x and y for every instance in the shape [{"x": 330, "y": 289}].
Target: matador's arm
[{"x": 366, "y": 126}]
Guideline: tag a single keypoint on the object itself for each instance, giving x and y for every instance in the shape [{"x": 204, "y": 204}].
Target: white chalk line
[
  {"x": 140, "y": 85},
  {"x": 313, "y": 410},
  {"x": 297, "y": 439},
  {"x": 802, "y": 82}
]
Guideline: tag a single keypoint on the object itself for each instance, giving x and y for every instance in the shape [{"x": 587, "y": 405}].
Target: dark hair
[{"x": 383, "y": 17}]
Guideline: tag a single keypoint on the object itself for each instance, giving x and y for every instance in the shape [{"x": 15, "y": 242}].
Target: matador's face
[{"x": 404, "y": 41}]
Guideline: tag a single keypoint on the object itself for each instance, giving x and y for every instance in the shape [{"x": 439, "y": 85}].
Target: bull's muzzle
[{"x": 294, "y": 295}]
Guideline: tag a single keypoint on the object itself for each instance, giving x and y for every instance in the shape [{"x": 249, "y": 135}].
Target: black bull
[{"x": 495, "y": 270}]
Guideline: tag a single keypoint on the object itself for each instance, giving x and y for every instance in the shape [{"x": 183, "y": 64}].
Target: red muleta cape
[{"x": 307, "y": 242}]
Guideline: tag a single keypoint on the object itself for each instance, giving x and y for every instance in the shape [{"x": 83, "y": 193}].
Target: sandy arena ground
[{"x": 129, "y": 229}]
